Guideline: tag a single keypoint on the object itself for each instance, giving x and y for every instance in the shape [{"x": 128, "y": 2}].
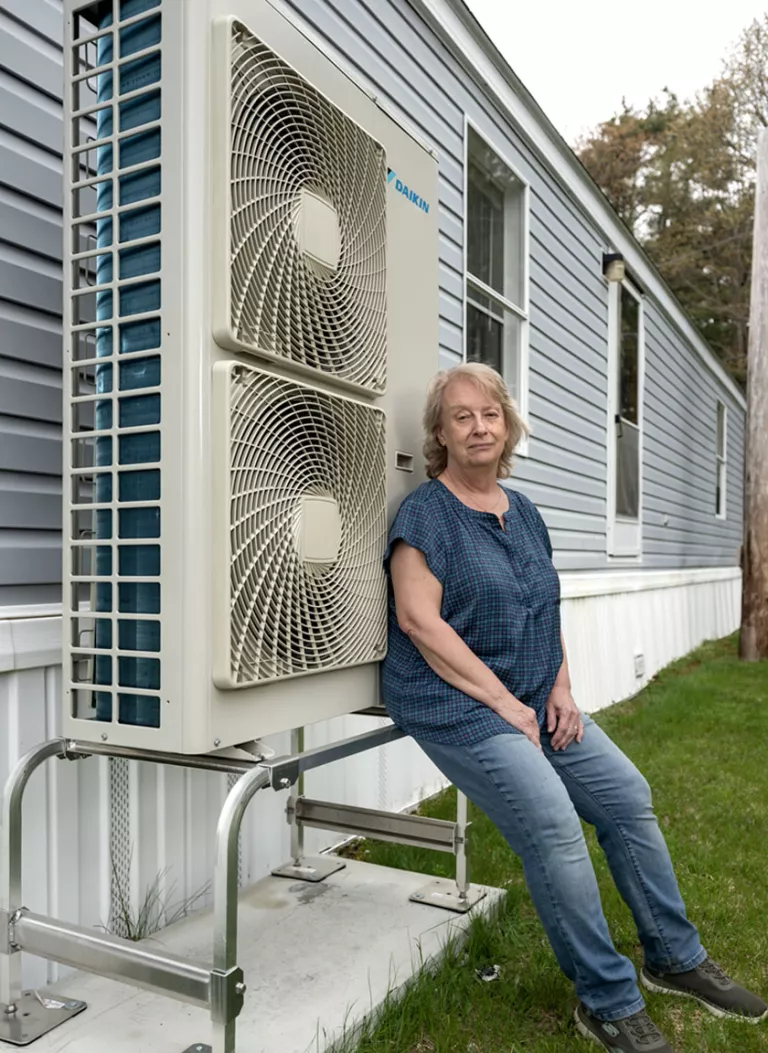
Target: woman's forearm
[
  {"x": 446, "y": 653},
  {"x": 563, "y": 678}
]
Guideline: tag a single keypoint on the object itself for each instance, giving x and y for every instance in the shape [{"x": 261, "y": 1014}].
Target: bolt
[
  {"x": 103, "y": 736},
  {"x": 10, "y": 1009},
  {"x": 240, "y": 989},
  {"x": 285, "y": 783},
  {"x": 217, "y": 742}
]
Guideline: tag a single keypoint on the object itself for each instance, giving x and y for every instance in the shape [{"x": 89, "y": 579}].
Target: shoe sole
[{"x": 715, "y": 1010}]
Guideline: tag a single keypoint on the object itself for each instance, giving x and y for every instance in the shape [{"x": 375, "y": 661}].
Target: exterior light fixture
[{"x": 613, "y": 266}]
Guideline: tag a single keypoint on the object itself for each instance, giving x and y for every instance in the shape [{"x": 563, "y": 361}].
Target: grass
[
  {"x": 156, "y": 908},
  {"x": 699, "y": 732}
]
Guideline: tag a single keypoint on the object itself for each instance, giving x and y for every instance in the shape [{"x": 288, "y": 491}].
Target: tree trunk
[{"x": 754, "y": 609}]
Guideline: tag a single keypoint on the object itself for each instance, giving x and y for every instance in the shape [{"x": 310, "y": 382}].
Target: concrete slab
[{"x": 317, "y": 959}]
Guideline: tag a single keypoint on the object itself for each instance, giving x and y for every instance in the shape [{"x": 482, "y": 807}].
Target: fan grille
[
  {"x": 290, "y": 615},
  {"x": 289, "y": 146}
]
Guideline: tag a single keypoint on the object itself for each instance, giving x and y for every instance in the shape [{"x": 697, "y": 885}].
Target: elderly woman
[{"x": 477, "y": 674}]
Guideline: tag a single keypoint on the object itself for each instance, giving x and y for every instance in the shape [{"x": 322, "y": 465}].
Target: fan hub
[
  {"x": 317, "y": 529},
  {"x": 316, "y": 227}
]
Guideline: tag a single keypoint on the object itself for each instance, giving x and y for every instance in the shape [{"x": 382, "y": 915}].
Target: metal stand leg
[
  {"x": 301, "y": 869},
  {"x": 297, "y": 829},
  {"x": 462, "y": 863},
  {"x": 460, "y": 897},
  {"x": 23, "y": 1016},
  {"x": 224, "y": 1009}
]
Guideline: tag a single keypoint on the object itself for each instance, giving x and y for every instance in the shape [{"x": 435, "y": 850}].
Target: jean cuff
[
  {"x": 686, "y": 967},
  {"x": 622, "y": 1014}
]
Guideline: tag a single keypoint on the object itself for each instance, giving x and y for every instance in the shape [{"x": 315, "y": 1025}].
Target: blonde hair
[{"x": 491, "y": 384}]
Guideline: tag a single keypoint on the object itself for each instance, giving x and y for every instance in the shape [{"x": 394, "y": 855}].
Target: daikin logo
[{"x": 401, "y": 188}]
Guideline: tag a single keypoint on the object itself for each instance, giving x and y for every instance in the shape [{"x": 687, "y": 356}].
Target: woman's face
[{"x": 472, "y": 426}]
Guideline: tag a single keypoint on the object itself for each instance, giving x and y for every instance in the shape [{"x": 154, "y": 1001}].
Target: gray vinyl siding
[
  {"x": 392, "y": 49},
  {"x": 680, "y": 438},
  {"x": 30, "y": 301}
]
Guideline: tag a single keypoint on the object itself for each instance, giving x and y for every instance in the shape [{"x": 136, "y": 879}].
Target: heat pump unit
[{"x": 250, "y": 323}]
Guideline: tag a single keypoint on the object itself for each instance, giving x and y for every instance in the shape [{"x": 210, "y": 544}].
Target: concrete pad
[{"x": 317, "y": 959}]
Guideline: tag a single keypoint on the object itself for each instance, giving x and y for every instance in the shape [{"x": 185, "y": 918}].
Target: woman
[{"x": 477, "y": 674}]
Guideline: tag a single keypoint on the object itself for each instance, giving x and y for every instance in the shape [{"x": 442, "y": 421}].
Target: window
[
  {"x": 626, "y": 357},
  {"x": 720, "y": 462},
  {"x": 628, "y": 420},
  {"x": 496, "y": 279}
]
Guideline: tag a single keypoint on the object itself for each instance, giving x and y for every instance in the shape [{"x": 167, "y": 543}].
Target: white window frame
[
  {"x": 522, "y": 313},
  {"x": 624, "y": 537},
  {"x": 721, "y": 462}
]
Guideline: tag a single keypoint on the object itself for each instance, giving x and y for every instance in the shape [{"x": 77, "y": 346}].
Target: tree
[{"x": 682, "y": 177}]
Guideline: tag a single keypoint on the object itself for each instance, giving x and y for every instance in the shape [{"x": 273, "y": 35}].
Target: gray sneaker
[
  {"x": 633, "y": 1034},
  {"x": 710, "y": 985}
]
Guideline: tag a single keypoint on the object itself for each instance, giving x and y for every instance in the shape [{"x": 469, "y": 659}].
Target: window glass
[{"x": 495, "y": 279}]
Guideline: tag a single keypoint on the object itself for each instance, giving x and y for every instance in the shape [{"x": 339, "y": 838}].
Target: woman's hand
[
  {"x": 521, "y": 717},
  {"x": 563, "y": 718}
]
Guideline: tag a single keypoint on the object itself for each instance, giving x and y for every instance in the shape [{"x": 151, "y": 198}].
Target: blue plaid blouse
[{"x": 501, "y": 594}]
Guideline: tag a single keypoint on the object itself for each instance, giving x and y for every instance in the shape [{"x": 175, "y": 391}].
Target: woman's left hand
[{"x": 564, "y": 721}]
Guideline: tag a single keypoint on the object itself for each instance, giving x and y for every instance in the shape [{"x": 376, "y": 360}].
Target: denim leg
[
  {"x": 513, "y": 783},
  {"x": 609, "y": 792}
]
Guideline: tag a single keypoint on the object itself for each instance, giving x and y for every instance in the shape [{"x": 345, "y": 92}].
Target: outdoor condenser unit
[{"x": 250, "y": 323}]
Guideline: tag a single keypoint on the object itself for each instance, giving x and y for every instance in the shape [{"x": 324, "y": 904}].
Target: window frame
[
  {"x": 624, "y": 536},
  {"x": 520, "y": 311},
  {"x": 721, "y": 462}
]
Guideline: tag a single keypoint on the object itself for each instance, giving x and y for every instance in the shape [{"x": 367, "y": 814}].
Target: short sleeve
[
  {"x": 542, "y": 528},
  {"x": 533, "y": 515},
  {"x": 417, "y": 526}
]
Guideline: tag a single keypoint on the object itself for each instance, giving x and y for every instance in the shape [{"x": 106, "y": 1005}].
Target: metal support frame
[{"x": 217, "y": 986}]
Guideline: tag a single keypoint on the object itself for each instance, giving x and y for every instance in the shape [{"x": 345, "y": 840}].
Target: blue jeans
[{"x": 535, "y": 799}]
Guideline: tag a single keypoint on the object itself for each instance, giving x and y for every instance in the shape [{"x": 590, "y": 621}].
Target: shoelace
[
  {"x": 641, "y": 1027},
  {"x": 715, "y": 971}
]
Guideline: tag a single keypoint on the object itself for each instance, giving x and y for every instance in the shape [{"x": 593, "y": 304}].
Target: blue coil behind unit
[{"x": 133, "y": 408}]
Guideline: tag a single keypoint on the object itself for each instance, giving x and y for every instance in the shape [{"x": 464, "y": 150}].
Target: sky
[{"x": 578, "y": 58}]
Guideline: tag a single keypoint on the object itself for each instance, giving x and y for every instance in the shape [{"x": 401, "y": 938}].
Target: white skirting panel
[
  {"x": 609, "y": 620},
  {"x": 88, "y": 819}
]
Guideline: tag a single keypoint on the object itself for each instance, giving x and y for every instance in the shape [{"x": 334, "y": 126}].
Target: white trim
[
  {"x": 502, "y": 301},
  {"x": 623, "y": 537},
  {"x": 578, "y": 584},
  {"x": 524, "y": 314},
  {"x": 29, "y": 643},
  {"x": 32, "y": 610},
  {"x": 470, "y": 45},
  {"x": 35, "y": 642},
  {"x": 721, "y": 463}
]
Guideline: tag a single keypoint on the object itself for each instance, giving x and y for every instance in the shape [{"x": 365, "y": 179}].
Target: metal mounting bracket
[
  {"x": 35, "y": 1015},
  {"x": 444, "y": 893}
]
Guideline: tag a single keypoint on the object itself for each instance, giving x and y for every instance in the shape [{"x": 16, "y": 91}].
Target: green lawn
[{"x": 699, "y": 733}]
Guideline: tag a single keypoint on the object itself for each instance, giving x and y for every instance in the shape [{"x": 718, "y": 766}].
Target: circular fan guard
[
  {"x": 288, "y": 617},
  {"x": 286, "y": 138}
]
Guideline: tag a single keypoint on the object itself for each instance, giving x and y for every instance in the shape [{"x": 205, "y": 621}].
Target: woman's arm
[
  {"x": 418, "y": 600},
  {"x": 564, "y": 721}
]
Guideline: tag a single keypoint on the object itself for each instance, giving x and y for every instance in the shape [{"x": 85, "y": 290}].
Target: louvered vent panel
[
  {"x": 113, "y": 377},
  {"x": 307, "y": 223},
  {"x": 307, "y": 520}
]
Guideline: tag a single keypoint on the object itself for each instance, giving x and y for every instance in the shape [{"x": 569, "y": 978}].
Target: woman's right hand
[{"x": 521, "y": 717}]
